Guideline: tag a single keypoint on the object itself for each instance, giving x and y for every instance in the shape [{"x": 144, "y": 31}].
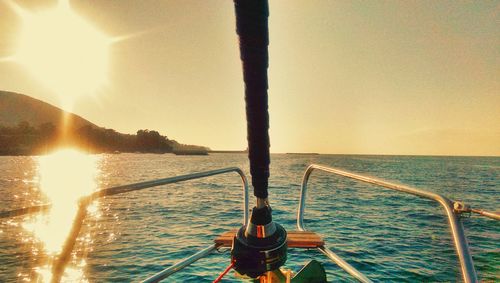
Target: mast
[
  {"x": 260, "y": 245},
  {"x": 252, "y": 28}
]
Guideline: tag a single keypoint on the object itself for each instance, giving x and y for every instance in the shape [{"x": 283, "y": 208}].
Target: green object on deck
[{"x": 312, "y": 272}]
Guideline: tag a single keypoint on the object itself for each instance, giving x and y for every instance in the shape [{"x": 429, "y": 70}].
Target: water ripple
[{"x": 386, "y": 235}]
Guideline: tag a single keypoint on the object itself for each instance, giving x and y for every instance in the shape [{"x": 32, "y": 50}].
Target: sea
[{"x": 387, "y": 235}]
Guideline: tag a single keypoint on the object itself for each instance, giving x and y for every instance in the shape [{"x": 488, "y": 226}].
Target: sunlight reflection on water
[{"x": 65, "y": 176}]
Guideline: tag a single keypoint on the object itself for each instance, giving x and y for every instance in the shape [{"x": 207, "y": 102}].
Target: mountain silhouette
[
  {"x": 16, "y": 108},
  {"x": 29, "y": 126}
]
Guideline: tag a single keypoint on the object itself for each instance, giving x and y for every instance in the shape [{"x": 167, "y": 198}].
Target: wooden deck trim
[{"x": 295, "y": 239}]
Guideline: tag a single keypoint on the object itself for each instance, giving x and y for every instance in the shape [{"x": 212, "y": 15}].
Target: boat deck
[{"x": 295, "y": 239}]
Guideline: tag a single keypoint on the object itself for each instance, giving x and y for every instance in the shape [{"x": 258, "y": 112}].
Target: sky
[{"x": 345, "y": 77}]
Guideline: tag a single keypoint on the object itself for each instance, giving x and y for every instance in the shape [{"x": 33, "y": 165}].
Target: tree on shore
[{"x": 24, "y": 139}]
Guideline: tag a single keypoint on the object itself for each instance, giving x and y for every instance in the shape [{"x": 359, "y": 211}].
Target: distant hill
[
  {"x": 16, "y": 108},
  {"x": 30, "y": 126}
]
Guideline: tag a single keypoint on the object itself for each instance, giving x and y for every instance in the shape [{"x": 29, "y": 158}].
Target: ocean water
[{"x": 389, "y": 236}]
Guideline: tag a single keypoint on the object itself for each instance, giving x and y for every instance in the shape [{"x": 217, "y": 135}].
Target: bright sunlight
[
  {"x": 65, "y": 177},
  {"x": 63, "y": 51}
]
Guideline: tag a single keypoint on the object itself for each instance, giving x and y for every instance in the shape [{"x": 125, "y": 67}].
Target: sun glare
[
  {"x": 65, "y": 176},
  {"x": 63, "y": 51}
]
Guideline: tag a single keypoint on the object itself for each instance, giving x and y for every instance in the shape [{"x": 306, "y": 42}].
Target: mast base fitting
[{"x": 253, "y": 253}]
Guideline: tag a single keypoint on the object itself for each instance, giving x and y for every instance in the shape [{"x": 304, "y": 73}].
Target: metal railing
[
  {"x": 457, "y": 230},
  {"x": 63, "y": 258}
]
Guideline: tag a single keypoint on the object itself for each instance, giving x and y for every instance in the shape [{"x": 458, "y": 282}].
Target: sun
[{"x": 63, "y": 51}]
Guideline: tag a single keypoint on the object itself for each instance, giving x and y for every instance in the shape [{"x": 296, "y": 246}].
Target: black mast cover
[{"x": 252, "y": 28}]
